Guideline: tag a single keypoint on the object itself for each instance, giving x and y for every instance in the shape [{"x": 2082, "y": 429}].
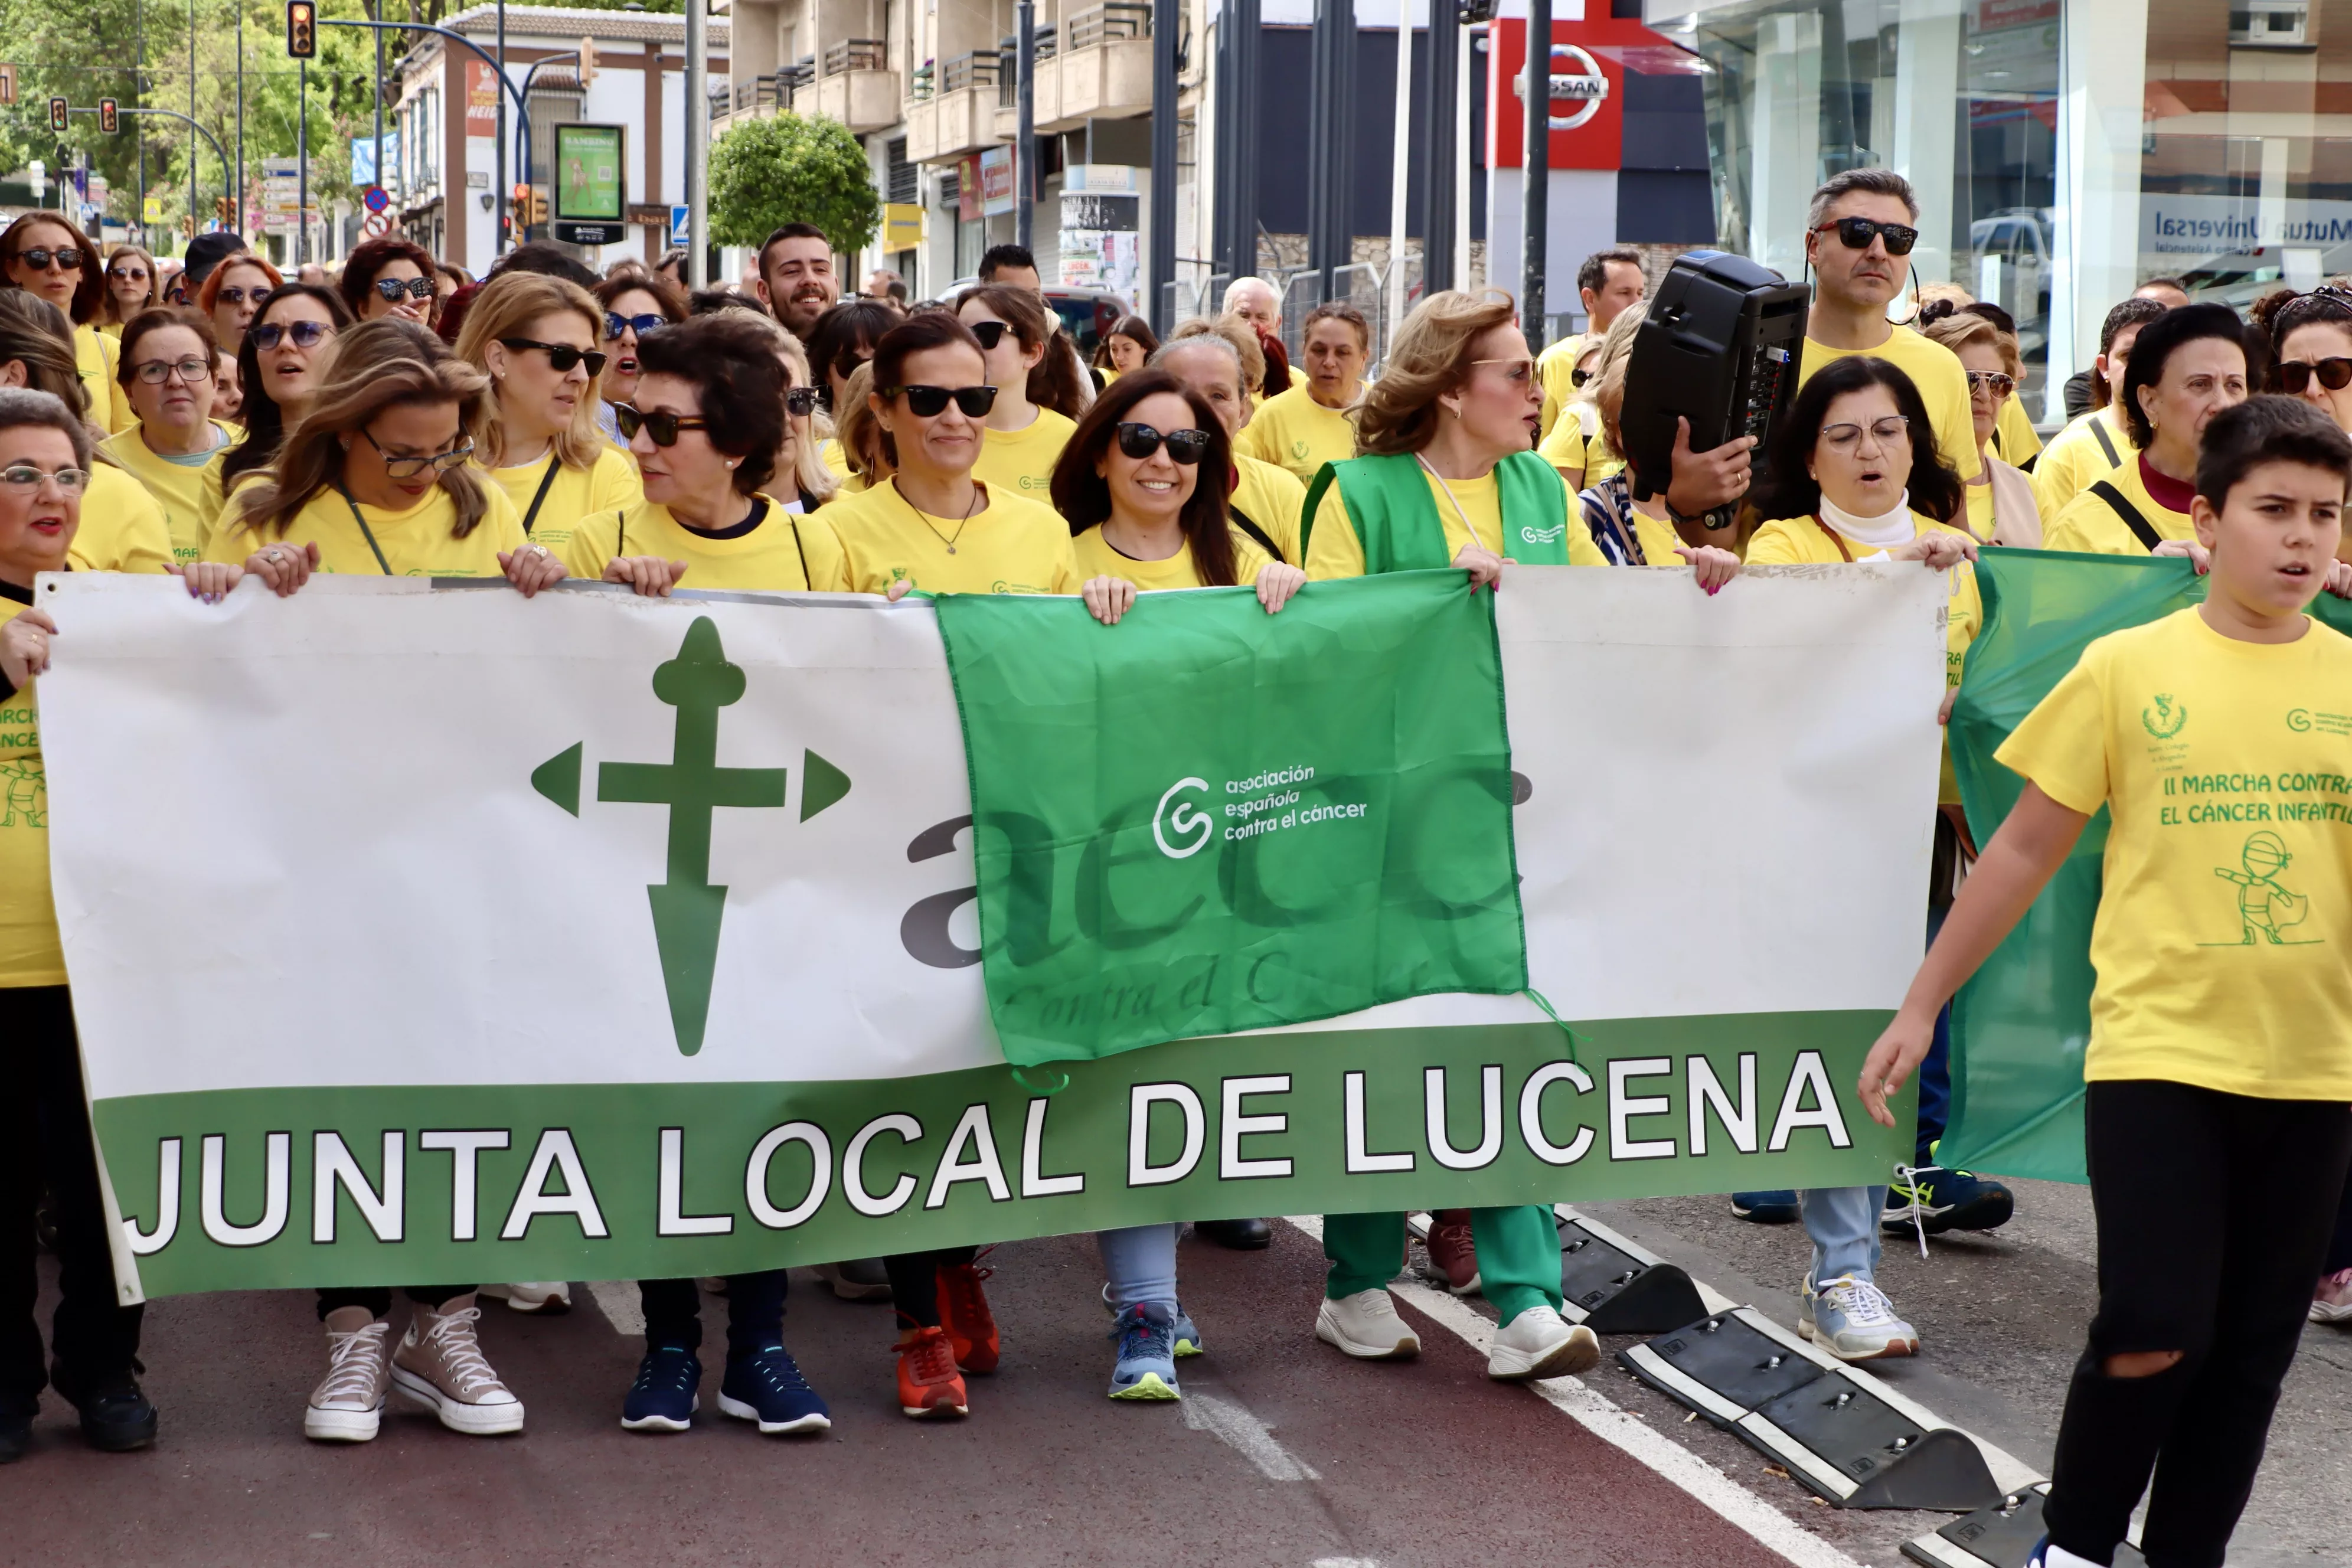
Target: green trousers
[{"x": 1518, "y": 1255}]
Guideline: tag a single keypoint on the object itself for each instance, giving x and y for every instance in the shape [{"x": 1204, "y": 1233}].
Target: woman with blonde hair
[
  {"x": 801, "y": 468},
  {"x": 536, "y": 338},
  {"x": 2001, "y": 508},
  {"x": 47, "y": 254},
  {"x": 857, "y": 438},
  {"x": 123, "y": 528}
]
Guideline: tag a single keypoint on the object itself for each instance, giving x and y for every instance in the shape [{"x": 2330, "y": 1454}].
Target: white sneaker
[
  {"x": 348, "y": 1407},
  {"x": 1853, "y": 1320},
  {"x": 439, "y": 1364},
  {"x": 1540, "y": 1343},
  {"x": 1366, "y": 1325},
  {"x": 552, "y": 1297}
]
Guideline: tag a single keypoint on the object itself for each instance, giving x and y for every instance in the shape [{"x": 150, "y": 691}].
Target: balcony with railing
[
  {"x": 960, "y": 116},
  {"x": 856, "y": 86}
]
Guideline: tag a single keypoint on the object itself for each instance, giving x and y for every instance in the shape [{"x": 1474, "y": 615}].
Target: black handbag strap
[
  {"x": 2099, "y": 429},
  {"x": 2123, "y": 507},
  {"x": 546, "y": 483},
  {"x": 1241, "y": 519}
]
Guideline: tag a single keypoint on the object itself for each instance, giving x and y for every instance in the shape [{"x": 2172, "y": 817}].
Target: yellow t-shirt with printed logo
[
  {"x": 414, "y": 544},
  {"x": 30, "y": 953},
  {"x": 608, "y": 484},
  {"x": 1293, "y": 431},
  {"x": 1334, "y": 551},
  {"x": 2223, "y": 941},
  {"x": 2075, "y": 458},
  {"x": 783, "y": 553},
  {"x": 1097, "y": 557},
  {"x": 122, "y": 526},
  {"x": 1937, "y": 371},
  {"x": 1271, "y": 498},
  {"x": 1021, "y": 461},
  {"x": 178, "y": 487},
  {"x": 1014, "y": 546},
  {"x": 2089, "y": 525}
]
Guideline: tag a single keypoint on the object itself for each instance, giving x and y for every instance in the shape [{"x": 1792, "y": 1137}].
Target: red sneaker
[
  {"x": 1452, "y": 1257},
  {"x": 965, "y": 1314},
  {"x": 928, "y": 1384}
]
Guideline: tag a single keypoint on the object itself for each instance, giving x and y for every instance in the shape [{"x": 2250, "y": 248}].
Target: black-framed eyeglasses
[
  {"x": 40, "y": 257},
  {"x": 1885, "y": 431},
  {"x": 2293, "y": 375},
  {"x": 930, "y": 402},
  {"x": 306, "y": 334},
  {"x": 990, "y": 333},
  {"x": 1140, "y": 441},
  {"x": 409, "y": 468},
  {"x": 1856, "y": 233},
  {"x": 561, "y": 357},
  {"x": 614, "y": 325},
  {"x": 392, "y": 289},
  {"x": 236, "y": 295},
  {"x": 26, "y": 476},
  {"x": 156, "y": 372},
  {"x": 663, "y": 427},
  {"x": 1998, "y": 382},
  {"x": 800, "y": 401}
]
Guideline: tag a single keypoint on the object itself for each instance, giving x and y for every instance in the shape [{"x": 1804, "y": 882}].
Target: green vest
[{"x": 1388, "y": 501}]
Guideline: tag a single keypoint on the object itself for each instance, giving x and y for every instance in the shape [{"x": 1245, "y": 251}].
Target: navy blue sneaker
[
  {"x": 1186, "y": 1334},
  {"x": 1941, "y": 1200},
  {"x": 1765, "y": 1208},
  {"x": 116, "y": 1416},
  {"x": 1146, "y": 1336},
  {"x": 766, "y": 1386},
  {"x": 663, "y": 1399},
  {"x": 16, "y": 1434}
]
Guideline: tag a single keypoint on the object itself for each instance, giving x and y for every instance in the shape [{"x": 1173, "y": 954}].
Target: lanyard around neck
[
  {"x": 365, "y": 532},
  {"x": 1467, "y": 526}
]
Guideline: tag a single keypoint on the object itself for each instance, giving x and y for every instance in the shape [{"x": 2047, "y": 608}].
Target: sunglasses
[
  {"x": 990, "y": 333},
  {"x": 392, "y": 288},
  {"x": 662, "y": 427},
  {"x": 128, "y": 273},
  {"x": 236, "y": 296},
  {"x": 1185, "y": 446},
  {"x": 800, "y": 401},
  {"x": 24, "y": 477},
  {"x": 1580, "y": 377},
  {"x": 38, "y": 258},
  {"x": 561, "y": 357},
  {"x": 2334, "y": 373},
  {"x": 615, "y": 325},
  {"x": 409, "y": 468},
  {"x": 306, "y": 334},
  {"x": 156, "y": 372},
  {"x": 930, "y": 402},
  {"x": 847, "y": 363},
  {"x": 2001, "y": 382},
  {"x": 1856, "y": 233}
]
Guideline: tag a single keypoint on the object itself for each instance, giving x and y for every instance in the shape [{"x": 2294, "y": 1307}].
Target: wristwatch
[{"x": 1715, "y": 518}]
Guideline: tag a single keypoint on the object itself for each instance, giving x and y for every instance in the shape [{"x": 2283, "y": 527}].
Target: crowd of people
[{"x": 219, "y": 421}]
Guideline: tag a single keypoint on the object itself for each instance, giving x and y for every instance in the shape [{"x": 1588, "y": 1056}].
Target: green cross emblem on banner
[{"x": 688, "y": 906}]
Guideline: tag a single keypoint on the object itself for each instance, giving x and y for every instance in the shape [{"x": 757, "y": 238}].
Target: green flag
[
  {"x": 2020, "y": 1027},
  {"x": 1207, "y": 819}
]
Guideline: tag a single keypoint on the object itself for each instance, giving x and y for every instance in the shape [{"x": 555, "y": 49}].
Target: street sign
[
  {"x": 376, "y": 199},
  {"x": 153, "y": 211},
  {"x": 378, "y": 225},
  {"x": 680, "y": 217},
  {"x": 40, "y": 173}
]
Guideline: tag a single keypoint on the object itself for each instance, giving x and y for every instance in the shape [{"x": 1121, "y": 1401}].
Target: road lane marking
[
  {"x": 618, "y": 1300},
  {"x": 1597, "y": 1414},
  {"x": 1230, "y": 1422}
]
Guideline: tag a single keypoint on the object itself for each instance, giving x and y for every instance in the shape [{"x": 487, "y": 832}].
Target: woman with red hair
[{"x": 234, "y": 293}]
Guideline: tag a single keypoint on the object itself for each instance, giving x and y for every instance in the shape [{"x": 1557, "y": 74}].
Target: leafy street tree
[{"x": 791, "y": 169}]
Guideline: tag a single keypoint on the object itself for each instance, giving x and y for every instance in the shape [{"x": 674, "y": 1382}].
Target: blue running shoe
[
  {"x": 1941, "y": 1200},
  {"x": 1145, "y": 1335},
  {"x": 766, "y": 1386},
  {"x": 663, "y": 1399},
  {"x": 1187, "y": 1336},
  {"x": 1765, "y": 1208}
]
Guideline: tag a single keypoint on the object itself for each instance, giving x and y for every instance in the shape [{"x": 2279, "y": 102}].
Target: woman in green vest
[{"x": 1447, "y": 477}]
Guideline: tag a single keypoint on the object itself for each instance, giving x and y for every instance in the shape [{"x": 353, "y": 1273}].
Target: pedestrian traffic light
[
  {"x": 57, "y": 115},
  {"x": 302, "y": 29},
  {"x": 108, "y": 120}
]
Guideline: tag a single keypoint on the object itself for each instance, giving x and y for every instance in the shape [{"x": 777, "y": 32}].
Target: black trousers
[
  {"x": 2218, "y": 1268},
  {"x": 377, "y": 1299},
  {"x": 2340, "y": 1249},
  {"x": 915, "y": 1283},
  {"x": 755, "y": 1312},
  {"x": 44, "y": 1133}
]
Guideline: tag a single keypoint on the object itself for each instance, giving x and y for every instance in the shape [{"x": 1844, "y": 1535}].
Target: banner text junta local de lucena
[{"x": 393, "y": 975}]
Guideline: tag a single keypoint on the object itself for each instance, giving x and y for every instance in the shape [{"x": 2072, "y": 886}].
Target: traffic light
[
  {"x": 58, "y": 113},
  {"x": 538, "y": 205},
  {"x": 302, "y": 29},
  {"x": 7, "y": 87},
  {"x": 587, "y": 61},
  {"x": 108, "y": 119}
]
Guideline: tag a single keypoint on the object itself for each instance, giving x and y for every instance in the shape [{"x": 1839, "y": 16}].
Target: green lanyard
[{"x": 365, "y": 532}]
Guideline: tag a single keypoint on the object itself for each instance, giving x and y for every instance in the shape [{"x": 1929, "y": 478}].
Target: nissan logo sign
[{"x": 1578, "y": 80}]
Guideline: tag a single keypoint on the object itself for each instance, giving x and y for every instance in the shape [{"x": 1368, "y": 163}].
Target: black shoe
[
  {"x": 16, "y": 1434},
  {"x": 115, "y": 1414},
  {"x": 1241, "y": 1234}
]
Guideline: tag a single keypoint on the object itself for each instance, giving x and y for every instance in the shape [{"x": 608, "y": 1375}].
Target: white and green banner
[{"x": 420, "y": 932}]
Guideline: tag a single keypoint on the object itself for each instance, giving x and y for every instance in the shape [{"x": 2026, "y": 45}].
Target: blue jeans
[
  {"x": 1844, "y": 1225},
  {"x": 1139, "y": 1261}
]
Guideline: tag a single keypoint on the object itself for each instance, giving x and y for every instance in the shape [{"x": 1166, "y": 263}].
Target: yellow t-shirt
[
  {"x": 1937, "y": 371},
  {"x": 1020, "y": 462},
  {"x": 95, "y": 357},
  {"x": 1013, "y": 546},
  {"x": 2018, "y": 440},
  {"x": 2226, "y": 916},
  {"x": 1097, "y": 557},
  {"x": 2090, "y": 525},
  {"x": 1334, "y": 551},
  {"x": 835, "y": 459},
  {"x": 30, "y": 953},
  {"x": 783, "y": 553},
  {"x": 1293, "y": 431},
  {"x": 1271, "y": 498},
  {"x": 1555, "y": 368},
  {"x": 415, "y": 543},
  {"x": 123, "y": 527},
  {"x": 608, "y": 484},
  {"x": 2074, "y": 458},
  {"x": 178, "y": 487}
]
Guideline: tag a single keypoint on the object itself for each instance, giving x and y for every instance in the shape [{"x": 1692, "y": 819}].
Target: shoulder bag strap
[
  {"x": 546, "y": 483},
  {"x": 365, "y": 532},
  {"x": 2121, "y": 507},
  {"x": 1241, "y": 519},
  {"x": 1835, "y": 538},
  {"x": 2099, "y": 429}
]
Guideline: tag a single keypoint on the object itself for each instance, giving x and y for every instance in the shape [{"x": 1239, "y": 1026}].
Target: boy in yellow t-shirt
[{"x": 2219, "y": 1066}]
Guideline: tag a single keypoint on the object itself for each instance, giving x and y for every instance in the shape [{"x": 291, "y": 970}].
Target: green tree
[{"x": 792, "y": 168}]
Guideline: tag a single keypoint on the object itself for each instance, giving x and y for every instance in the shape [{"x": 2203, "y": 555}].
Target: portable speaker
[{"x": 1720, "y": 347}]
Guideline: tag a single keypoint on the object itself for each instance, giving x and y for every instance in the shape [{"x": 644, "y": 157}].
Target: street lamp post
[
  {"x": 698, "y": 145},
  {"x": 1535, "y": 169}
]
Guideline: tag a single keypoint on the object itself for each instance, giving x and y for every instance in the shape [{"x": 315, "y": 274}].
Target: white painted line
[
  {"x": 1614, "y": 1426},
  {"x": 617, "y": 1300},
  {"x": 1345, "y": 1562},
  {"x": 1230, "y": 1422}
]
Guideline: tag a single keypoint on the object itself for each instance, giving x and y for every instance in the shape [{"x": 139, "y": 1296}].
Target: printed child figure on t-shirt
[{"x": 2262, "y": 905}]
